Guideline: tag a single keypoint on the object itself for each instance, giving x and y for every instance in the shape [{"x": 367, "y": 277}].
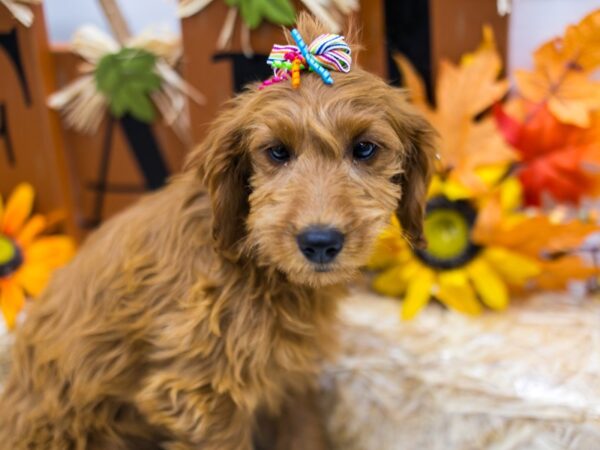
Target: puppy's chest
[
  {"x": 288, "y": 365},
  {"x": 279, "y": 354}
]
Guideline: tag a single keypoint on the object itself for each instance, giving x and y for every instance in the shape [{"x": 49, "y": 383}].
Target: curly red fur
[{"x": 187, "y": 314}]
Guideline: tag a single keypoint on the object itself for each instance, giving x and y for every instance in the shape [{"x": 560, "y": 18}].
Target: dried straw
[{"x": 528, "y": 378}]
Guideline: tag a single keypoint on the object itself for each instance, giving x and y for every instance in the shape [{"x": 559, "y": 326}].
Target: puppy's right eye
[
  {"x": 279, "y": 154},
  {"x": 364, "y": 150}
]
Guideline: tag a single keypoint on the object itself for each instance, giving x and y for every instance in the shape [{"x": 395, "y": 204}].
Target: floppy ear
[
  {"x": 222, "y": 164},
  {"x": 418, "y": 138}
]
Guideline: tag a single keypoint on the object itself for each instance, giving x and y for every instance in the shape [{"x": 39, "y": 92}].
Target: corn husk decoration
[
  {"x": 21, "y": 10},
  {"x": 150, "y": 58},
  {"x": 279, "y": 12}
]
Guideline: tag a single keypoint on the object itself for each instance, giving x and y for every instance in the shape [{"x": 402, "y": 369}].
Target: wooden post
[
  {"x": 106, "y": 169},
  {"x": 116, "y": 20},
  {"x": 456, "y": 28}
]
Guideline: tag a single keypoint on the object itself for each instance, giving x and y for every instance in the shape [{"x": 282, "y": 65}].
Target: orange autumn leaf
[
  {"x": 463, "y": 92},
  {"x": 414, "y": 83},
  {"x": 550, "y": 243},
  {"x": 467, "y": 89},
  {"x": 556, "y": 274},
  {"x": 562, "y": 73},
  {"x": 582, "y": 42},
  {"x": 538, "y": 235}
]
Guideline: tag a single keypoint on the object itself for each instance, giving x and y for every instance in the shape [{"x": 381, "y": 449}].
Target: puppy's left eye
[{"x": 364, "y": 150}]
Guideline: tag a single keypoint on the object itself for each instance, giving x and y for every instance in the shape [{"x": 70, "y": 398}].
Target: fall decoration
[
  {"x": 133, "y": 79},
  {"x": 553, "y": 120},
  {"x": 21, "y": 10},
  {"x": 482, "y": 244},
  {"x": 27, "y": 259},
  {"x": 455, "y": 268},
  {"x": 279, "y": 12},
  {"x": 127, "y": 79}
]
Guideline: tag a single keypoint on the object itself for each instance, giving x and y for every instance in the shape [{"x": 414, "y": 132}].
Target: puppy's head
[{"x": 304, "y": 179}]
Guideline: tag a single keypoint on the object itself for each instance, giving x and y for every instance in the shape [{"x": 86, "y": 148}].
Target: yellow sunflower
[
  {"x": 454, "y": 269},
  {"x": 26, "y": 259}
]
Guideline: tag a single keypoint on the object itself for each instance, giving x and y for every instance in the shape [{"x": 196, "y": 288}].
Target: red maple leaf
[{"x": 556, "y": 157}]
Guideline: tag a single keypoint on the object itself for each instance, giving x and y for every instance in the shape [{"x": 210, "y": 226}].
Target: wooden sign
[
  {"x": 126, "y": 158},
  {"x": 31, "y": 147},
  {"x": 456, "y": 28}
]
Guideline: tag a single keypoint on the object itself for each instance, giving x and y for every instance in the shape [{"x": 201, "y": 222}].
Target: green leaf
[
  {"x": 127, "y": 79},
  {"x": 142, "y": 107},
  {"x": 118, "y": 104},
  {"x": 280, "y": 12},
  {"x": 251, "y": 12}
]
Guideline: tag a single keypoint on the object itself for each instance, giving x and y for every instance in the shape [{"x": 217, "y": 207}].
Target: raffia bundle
[
  {"x": 330, "y": 12},
  {"x": 83, "y": 105}
]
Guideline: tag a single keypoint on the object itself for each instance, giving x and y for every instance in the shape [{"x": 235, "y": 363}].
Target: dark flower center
[
  {"x": 448, "y": 225},
  {"x": 11, "y": 257}
]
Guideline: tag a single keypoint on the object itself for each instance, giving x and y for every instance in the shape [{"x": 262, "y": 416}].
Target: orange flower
[{"x": 26, "y": 259}]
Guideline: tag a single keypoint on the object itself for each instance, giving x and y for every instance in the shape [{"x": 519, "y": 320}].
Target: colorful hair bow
[{"x": 328, "y": 51}]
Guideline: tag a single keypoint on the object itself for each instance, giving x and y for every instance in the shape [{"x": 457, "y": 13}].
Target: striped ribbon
[{"x": 326, "y": 52}]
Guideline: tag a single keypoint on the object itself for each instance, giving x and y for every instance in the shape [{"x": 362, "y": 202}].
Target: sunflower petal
[
  {"x": 32, "y": 229},
  {"x": 436, "y": 187},
  {"x": 488, "y": 284},
  {"x": 418, "y": 293},
  {"x": 515, "y": 268},
  {"x": 390, "y": 282},
  {"x": 52, "y": 251},
  {"x": 457, "y": 293},
  {"x": 18, "y": 209},
  {"x": 455, "y": 190},
  {"x": 491, "y": 175},
  {"x": 12, "y": 300},
  {"x": 33, "y": 278},
  {"x": 390, "y": 249},
  {"x": 394, "y": 281}
]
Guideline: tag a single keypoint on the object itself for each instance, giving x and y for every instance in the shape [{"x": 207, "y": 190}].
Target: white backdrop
[{"x": 65, "y": 16}]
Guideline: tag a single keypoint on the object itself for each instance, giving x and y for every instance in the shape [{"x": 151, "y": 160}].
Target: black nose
[{"x": 320, "y": 245}]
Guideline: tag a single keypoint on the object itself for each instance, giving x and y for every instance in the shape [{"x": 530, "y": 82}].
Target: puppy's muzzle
[{"x": 320, "y": 245}]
